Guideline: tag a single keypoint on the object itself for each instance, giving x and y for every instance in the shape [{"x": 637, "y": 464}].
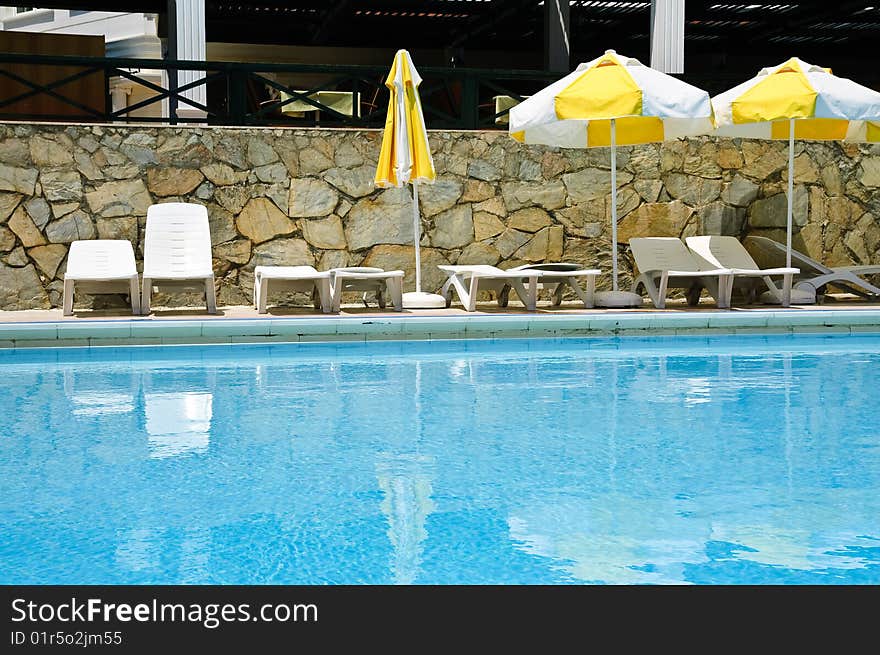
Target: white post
[
  {"x": 191, "y": 46},
  {"x": 614, "y": 205},
  {"x": 417, "y": 236},
  {"x": 788, "y": 220},
  {"x": 667, "y": 35},
  {"x": 119, "y": 92}
]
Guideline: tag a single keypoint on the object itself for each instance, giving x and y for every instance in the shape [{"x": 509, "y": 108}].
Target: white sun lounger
[
  {"x": 292, "y": 278},
  {"x": 727, "y": 252},
  {"x": 666, "y": 263},
  {"x": 367, "y": 279},
  {"x": 101, "y": 266},
  {"x": 177, "y": 252},
  {"x": 560, "y": 274},
  {"x": 814, "y": 275},
  {"x": 469, "y": 280}
]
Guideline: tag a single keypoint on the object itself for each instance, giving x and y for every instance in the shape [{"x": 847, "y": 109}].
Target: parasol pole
[
  {"x": 416, "y": 235},
  {"x": 614, "y": 205},
  {"x": 788, "y": 218}
]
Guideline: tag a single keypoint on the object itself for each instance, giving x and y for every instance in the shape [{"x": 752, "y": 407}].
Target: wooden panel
[{"x": 90, "y": 90}]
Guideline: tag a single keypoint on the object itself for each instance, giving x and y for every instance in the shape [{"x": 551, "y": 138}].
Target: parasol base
[
  {"x": 798, "y": 297},
  {"x": 422, "y": 300},
  {"x": 617, "y": 299}
]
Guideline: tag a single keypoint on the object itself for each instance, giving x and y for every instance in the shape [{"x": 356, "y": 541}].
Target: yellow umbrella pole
[{"x": 788, "y": 221}]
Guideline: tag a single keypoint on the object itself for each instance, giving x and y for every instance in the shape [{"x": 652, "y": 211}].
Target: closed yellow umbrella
[{"x": 405, "y": 156}]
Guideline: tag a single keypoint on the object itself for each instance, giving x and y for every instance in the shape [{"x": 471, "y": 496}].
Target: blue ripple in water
[{"x": 724, "y": 460}]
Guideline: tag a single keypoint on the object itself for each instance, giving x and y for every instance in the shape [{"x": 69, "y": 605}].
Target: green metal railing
[{"x": 241, "y": 94}]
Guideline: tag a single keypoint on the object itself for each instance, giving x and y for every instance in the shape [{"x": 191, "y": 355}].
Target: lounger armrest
[
  {"x": 360, "y": 275},
  {"x": 552, "y": 274},
  {"x": 98, "y": 277},
  {"x": 195, "y": 275},
  {"x": 290, "y": 273},
  {"x": 483, "y": 270},
  {"x": 860, "y": 269},
  {"x": 766, "y": 271},
  {"x": 711, "y": 272}
]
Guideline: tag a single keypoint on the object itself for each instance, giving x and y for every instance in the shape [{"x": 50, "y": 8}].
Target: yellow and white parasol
[
  {"x": 610, "y": 101},
  {"x": 405, "y": 156}
]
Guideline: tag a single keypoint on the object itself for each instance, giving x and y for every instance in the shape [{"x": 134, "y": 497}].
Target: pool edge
[{"x": 140, "y": 331}]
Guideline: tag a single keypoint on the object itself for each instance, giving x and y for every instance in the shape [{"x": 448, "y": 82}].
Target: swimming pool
[{"x": 707, "y": 460}]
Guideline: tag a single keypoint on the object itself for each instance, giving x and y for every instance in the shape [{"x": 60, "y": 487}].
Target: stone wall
[{"x": 306, "y": 196}]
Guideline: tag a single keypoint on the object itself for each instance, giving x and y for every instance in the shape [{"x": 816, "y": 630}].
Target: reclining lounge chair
[
  {"x": 814, "y": 276},
  {"x": 469, "y": 280},
  {"x": 728, "y": 252},
  {"x": 367, "y": 279},
  {"x": 292, "y": 278},
  {"x": 177, "y": 252},
  {"x": 666, "y": 263}
]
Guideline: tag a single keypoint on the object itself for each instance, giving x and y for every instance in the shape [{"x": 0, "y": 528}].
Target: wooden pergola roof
[{"x": 723, "y": 40}]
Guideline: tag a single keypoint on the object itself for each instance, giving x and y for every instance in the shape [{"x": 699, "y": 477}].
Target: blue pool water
[{"x": 666, "y": 460}]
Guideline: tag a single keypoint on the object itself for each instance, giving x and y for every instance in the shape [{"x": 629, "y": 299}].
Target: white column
[
  {"x": 120, "y": 89},
  {"x": 667, "y": 35},
  {"x": 191, "y": 46}
]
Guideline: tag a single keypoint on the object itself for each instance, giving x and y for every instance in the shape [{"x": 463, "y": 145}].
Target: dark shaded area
[
  {"x": 469, "y": 51},
  {"x": 724, "y": 41}
]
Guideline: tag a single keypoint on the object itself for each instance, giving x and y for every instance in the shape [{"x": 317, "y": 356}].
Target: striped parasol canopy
[{"x": 611, "y": 101}]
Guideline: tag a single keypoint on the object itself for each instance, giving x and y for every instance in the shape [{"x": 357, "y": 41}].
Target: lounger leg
[
  {"x": 521, "y": 291},
  {"x": 395, "y": 290},
  {"x": 262, "y": 296},
  {"x": 725, "y": 291},
  {"x": 135, "y": 295},
  {"x": 786, "y": 289},
  {"x": 446, "y": 290},
  {"x": 504, "y": 296},
  {"x": 325, "y": 295},
  {"x": 649, "y": 282},
  {"x": 774, "y": 290},
  {"x": 532, "y": 298},
  {"x": 846, "y": 280},
  {"x": 210, "y": 295},
  {"x": 380, "y": 297},
  {"x": 534, "y": 286},
  {"x": 660, "y": 302},
  {"x": 256, "y": 301},
  {"x": 468, "y": 298},
  {"x": 472, "y": 296},
  {"x": 338, "y": 283},
  {"x": 585, "y": 296},
  {"x": 642, "y": 280},
  {"x": 67, "y": 301},
  {"x": 558, "y": 291},
  {"x": 590, "y": 293},
  {"x": 146, "y": 295}
]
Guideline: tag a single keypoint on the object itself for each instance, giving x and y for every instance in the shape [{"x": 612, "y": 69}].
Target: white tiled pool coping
[{"x": 146, "y": 331}]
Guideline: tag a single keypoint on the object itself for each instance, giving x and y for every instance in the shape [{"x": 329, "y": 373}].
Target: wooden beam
[
  {"x": 557, "y": 36},
  {"x": 327, "y": 20}
]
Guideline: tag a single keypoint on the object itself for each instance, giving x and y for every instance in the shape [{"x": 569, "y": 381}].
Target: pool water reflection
[{"x": 621, "y": 461}]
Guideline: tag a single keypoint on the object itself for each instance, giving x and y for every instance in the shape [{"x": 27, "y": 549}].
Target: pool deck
[{"x": 165, "y": 326}]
